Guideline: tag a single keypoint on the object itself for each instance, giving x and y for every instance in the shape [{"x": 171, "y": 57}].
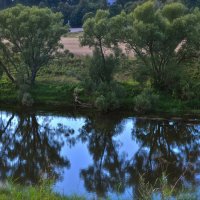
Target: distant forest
[{"x": 75, "y": 11}]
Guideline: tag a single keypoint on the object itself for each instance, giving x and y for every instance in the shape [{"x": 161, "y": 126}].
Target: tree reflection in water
[
  {"x": 30, "y": 149},
  {"x": 108, "y": 168},
  {"x": 170, "y": 147},
  {"x": 165, "y": 146}
]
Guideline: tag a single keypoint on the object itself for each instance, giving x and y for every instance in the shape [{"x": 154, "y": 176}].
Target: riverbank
[
  {"x": 56, "y": 84},
  {"x": 60, "y": 95},
  {"x": 44, "y": 191}
]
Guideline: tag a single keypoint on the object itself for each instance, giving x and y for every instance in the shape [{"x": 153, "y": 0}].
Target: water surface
[{"x": 98, "y": 155}]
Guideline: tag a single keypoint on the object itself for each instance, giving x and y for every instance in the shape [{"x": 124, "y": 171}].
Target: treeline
[{"x": 74, "y": 10}]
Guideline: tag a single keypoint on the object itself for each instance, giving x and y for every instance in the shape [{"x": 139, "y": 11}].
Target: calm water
[{"x": 96, "y": 155}]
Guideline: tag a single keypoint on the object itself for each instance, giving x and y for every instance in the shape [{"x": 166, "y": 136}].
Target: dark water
[{"x": 98, "y": 155}]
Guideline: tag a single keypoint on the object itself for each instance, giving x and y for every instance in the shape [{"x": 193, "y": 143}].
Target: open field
[
  {"x": 71, "y": 42},
  {"x": 73, "y": 45}
]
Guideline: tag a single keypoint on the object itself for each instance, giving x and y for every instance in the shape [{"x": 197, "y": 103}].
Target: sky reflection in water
[{"x": 95, "y": 155}]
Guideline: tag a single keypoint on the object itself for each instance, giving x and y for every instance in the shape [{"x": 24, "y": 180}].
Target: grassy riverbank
[
  {"x": 60, "y": 94},
  {"x": 43, "y": 192}
]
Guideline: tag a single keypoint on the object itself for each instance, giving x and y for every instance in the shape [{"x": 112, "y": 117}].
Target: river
[{"x": 98, "y": 155}]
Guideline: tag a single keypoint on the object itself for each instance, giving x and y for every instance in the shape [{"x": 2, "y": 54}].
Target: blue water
[{"x": 96, "y": 155}]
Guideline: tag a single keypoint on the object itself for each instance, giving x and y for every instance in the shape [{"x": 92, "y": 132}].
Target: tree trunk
[
  {"x": 33, "y": 76},
  {"x": 7, "y": 73}
]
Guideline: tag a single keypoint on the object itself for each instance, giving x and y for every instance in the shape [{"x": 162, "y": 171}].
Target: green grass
[
  {"x": 8, "y": 92},
  {"x": 146, "y": 191},
  {"x": 42, "y": 192},
  {"x": 57, "y": 94}
]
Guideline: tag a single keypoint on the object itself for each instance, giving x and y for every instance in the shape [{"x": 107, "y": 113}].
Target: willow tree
[
  {"x": 96, "y": 35},
  {"x": 96, "y": 32},
  {"x": 159, "y": 36},
  {"x": 29, "y": 38}
]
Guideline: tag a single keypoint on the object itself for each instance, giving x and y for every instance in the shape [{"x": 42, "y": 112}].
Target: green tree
[
  {"x": 96, "y": 33},
  {"x": 159, "y": 36},
  {"x": 29, "y": 38}
]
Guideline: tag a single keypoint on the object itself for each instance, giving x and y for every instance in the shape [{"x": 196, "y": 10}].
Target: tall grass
[
  {"x": 43, "y": 191},
  {"x": 161, "y": 190}
]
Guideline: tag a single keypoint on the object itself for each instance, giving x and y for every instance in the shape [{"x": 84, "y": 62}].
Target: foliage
[
  {"x": 146, "y": 101},
  {"x": 43, "y": 191},
  {"x": 159, "y": 36},
  {"x": 162, "y": 190},
  {"x": 29, "y": 39},
  {"x": 82, "y": 8},
  {"x": 1, "y": 72},
  {"x": 72, "y": 10},
  {"x": 95, "y": 30},
  {"x": 99, "y": 71},
  {"x": 107, "y": 102}
]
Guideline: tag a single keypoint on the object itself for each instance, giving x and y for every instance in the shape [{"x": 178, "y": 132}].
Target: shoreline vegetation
[
  {"x": 12, "y": 191},
  {"x": 146, "y": 191},
  {"x": 173, "y": 106},
  {"x": 59, "y": 93}
]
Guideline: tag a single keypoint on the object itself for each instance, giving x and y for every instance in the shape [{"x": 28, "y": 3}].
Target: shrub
[
  {"x": 99, "y": 71},
  {"x": 146, "y": 101},
  {"x": 107, "y": 102}
]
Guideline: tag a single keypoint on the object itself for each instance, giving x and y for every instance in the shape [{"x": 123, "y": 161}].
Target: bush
[
  {"x": 113, "y": 101},
  {"x": 112, "y": 94},
  {"x": 107, "y": 102},
  {"x": 99, "y": 81},
  {"x": 99, "y": 71},
  {"x": 146, "y": 101}
]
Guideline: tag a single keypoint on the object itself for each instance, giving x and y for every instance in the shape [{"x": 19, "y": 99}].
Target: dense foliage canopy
[
  {"x": 74, "y": 10},
  {"x": 29, "y": 38}
]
